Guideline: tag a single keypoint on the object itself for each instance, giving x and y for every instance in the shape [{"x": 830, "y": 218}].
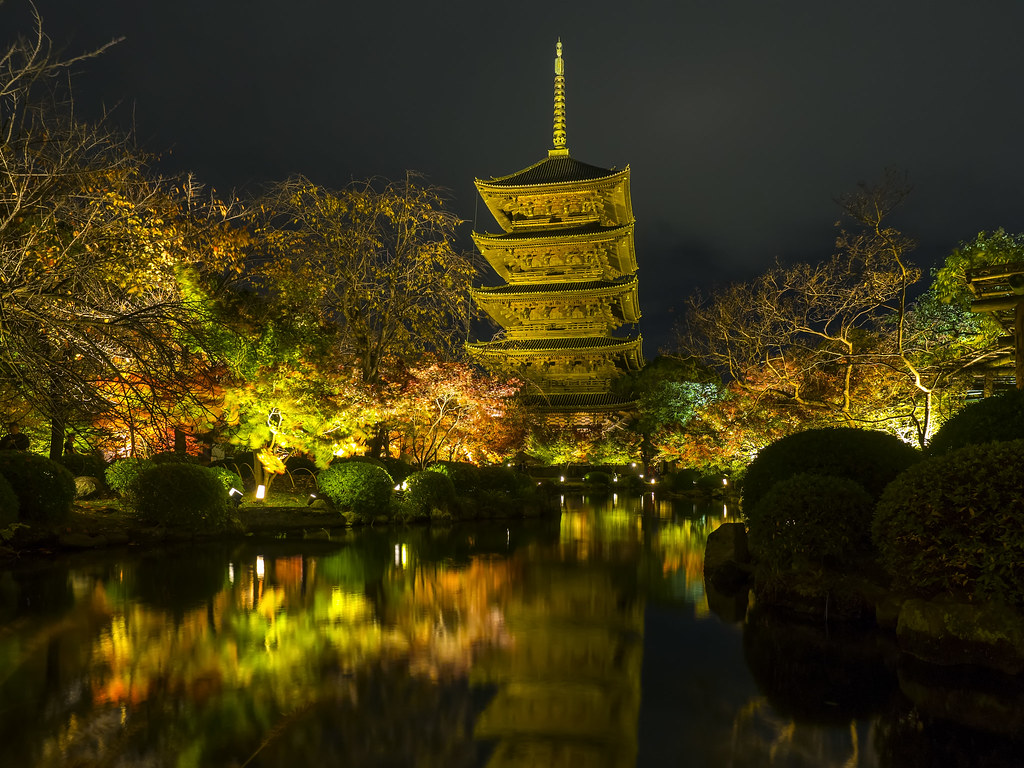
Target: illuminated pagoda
[{"x": 568, "y": 262}]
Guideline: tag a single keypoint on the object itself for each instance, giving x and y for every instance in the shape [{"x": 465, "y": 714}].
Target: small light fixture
[
  {"x": 261, "y": 492},
  {"x": 261, "y": 567},
  {"x": 311, "y": 499},
  {"x": 561, "y": 479},
  {"x": 235, "y": 495}
]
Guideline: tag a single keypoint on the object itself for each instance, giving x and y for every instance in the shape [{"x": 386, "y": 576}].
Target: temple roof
[
  {"x": 569, "y": 344},
  {"x": 592, "y": 231},
  {"x": 551, "y": 170},
  {"x": 562, "y": 289},
  {"x": 579, "y": 401}
]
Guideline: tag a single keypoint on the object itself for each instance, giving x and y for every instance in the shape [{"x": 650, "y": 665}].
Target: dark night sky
[{"x": 741, "y": 120}]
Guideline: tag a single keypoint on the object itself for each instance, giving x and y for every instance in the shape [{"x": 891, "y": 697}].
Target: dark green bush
[
  {"x": 44, "y": 488},
  {"x": 228, "y": 479},
  {"x": 597, "y": 479},
  {"x": 8, "y": 503},
  {"x": 399, "y": 469},
  {"x": 869, "y": 458},
  {"x": 360, "y": 490},
  {"x": 359, "y": 460},
  {"x": 811, "y": 519},
  {"x": 952, "y": 524},
  {"x": 496, "y": 504},
  {"x": 994, "y": 418},
  {"x": 185, "y": 496},
  {"x": 464, "y": 476},
  {"x": 498, "y": 477},
  {"x": 683, "y": 481},
  {"x": 173, "y": 457},
  {"x": 430, "y": 493},
  {"x": 85, "y": 464},
  {"x": 630, "y": 483},
  {"x": 122, "y": 475}
]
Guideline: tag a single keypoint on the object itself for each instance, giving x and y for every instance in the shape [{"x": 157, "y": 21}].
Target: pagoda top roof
[{"x": 559, "y": 169}]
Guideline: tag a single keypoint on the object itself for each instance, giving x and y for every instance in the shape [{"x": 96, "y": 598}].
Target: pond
[{"x": 584, "y": 640}]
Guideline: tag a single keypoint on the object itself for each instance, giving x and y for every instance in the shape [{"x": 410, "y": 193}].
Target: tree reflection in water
[{"x": 488, "y": 644}]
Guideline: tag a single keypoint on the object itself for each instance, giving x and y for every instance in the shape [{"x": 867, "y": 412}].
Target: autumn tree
[
  {"x": 843, "y": 337},
  {"x": 451, "y": 411},
  {"x": 377, "y": 260}
]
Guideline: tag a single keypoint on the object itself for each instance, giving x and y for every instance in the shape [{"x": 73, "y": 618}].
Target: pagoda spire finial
[{"x": 560, "y": 148}]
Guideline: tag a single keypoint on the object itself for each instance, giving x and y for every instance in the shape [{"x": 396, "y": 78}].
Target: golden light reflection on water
[{"x": 262, "y": 637}]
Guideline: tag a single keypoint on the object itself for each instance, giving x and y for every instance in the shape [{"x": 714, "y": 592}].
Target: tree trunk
[{"x": 56, "y": 438}]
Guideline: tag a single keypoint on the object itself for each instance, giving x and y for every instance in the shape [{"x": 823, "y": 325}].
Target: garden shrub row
[{"x": 944, "y": 521}]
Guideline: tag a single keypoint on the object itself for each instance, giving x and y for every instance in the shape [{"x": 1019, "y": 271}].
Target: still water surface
[{"x": 584, "y": 640}]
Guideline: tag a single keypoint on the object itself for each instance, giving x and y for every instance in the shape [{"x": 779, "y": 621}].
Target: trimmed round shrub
[
  {"x": 183, "y": 495},
  {"x": 811, "y": 519},
  {"x": 357, "y": 488},
  {"x": 869, "y": 458},
  {"x": 173, "y": 457},
  {"x": 597, "y": 479},
  {"x": 122, "y": 475},
  {"x": 44, "y": 488},
  {"x": 464, "y": 476},
  {"x": 227, "y": 478},
  {"x": 992, "y": 419},
  {"x": 498, "y": 477},
  {"x": 952, "y": 524},
  {"x": 8, "y": 503},
  {"x": 430, "y": 494}
]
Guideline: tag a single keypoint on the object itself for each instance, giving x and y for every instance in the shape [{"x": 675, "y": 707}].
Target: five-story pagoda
[{"x": 567, "y": 258}]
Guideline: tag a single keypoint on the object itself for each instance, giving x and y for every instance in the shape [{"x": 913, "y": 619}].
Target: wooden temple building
[
  {"x": 568, "y": 307},
  {"x": 999, "y": 291}
]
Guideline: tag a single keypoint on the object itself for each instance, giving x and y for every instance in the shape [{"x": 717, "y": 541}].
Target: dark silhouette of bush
[
  {"x": 44, "y": 488},
  {"x": 430, "y": 494},
  {"x": 185, "y": 496},
  {"x": 498, "y": 477},
  {"x": 952, "y": 524},
  {"x": 122, "y": 475},
  {"x": 399, "y": 469},
  {"x": 464, "y": 476},
  {"x": 811, "y": 519},
  {"x": 173, "y": 457},
  {"x": 8, "y": 503},
  {"x": 84, "y": 464},
  {"x": 360, "y": 490},
  {"x": 994, "y": 418},
  {"x": 596, "y": 479},
  {"x": 871, "y": 459}
]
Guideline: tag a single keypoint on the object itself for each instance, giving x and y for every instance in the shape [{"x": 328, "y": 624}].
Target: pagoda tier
[
  {"x": 531, "y": 311},
  {"x": 563, "y": 366},
  {"x": 589, "y": 253},
  {"x": 556, "y": 193}
]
